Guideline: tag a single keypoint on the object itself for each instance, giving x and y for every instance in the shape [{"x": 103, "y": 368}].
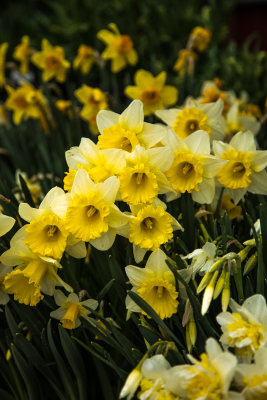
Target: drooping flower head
[
  {"x": 52, "y": 61},
  {"x": 152, "y": 91},
  {"x": 185, "y": 62},
  {"x": 155, "y": 284},
  {"x": 84, "y": 59},
  {"x": 22, "y": 53},
  {"x": 119, "y": 48},
  {"x": 127, "y": 130},
  {"x": 199, "y": 38},
  {"x": 33, "y": 276},
  {"x": 244, "y": 170},
  {"x": 71, "y": 309}
]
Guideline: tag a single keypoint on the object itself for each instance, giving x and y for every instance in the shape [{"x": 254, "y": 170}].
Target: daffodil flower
[
  {"x": 92, "y": 215},
  {"x": 152, "y": 91},
  {"x": 51, "y": 60},
  {"x": 23, "y": 54},
  {"x": 84, "y": 59},
  {"x": 245, "y": 329},
  {"x": 100, "y": 164},
  {"x": 236, "y": 121},
  {"x": 209, "y": 378},
  {"x": 127, "y": 130},
  {"x": 155, "y": 284},
  {"x": 71, "y": 309},
  {"x": 46, "y": 233},
  {"x": 194, "y": 117},
  {"x": 143, "y": 177},
  {"x": 244, "y": 170},
  {"x": 193, "y": 168},
  {"x": 33, "y": 276},
  {"x": 119, "y": 48}
]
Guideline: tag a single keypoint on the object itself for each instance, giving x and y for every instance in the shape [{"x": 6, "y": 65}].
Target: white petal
[
  {"x": 212, "y": 165},
  {"x": 237, "y": 194},
  {"x": 116, "y": 218},
  {"x": 132, "y": 117},
  {"x": 105, "y": 241},
  {"x": 50, "y": 197},
  {"x": 138, "y": 253},
  {"x": 74, "y": 157},
  {"x": 105, "y": 119},
  {"x": 60, "y": 298},
  {"x": 161, "y": 157},
  {"x": 136, "y": 274},
  {"x": 243, "y": 141},
  {"x": 256, "y": 305},
  {"x": 206, "y": 192},
  {"x": 153, "y": 367},
  {"x": 29, "y": 213},
  {"x": 219, "y": 147},
  {"x": 156, "y": 262},
  {"x": 198, "y": 143},
  {"x": 109, "y": 188},
  {"x": 168, "y": 116},
  {"x": 91, "y": 303},
  {"x": 77, "y": 250},
  {"x": 258, "y": 183},
  {"x": 153, "y": 134},
  {"x": 82, "y": 184},
  {"x": 6, "y": 223},
  {"x": 259, "y": 160},
  {"x": 210, "y": 249}
]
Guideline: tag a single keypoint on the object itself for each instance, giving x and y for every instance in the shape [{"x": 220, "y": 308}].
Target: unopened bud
[
  {"x": 131, "y": 384},
  {"x": 226, "y": 292},
  {"x": 204, "y": 282},
  {"x": 207, "y": 297},
  {"x": 243, "y": 253},
  {"x": 251, "y": 263},
  {"x": 219, "y": 285}
]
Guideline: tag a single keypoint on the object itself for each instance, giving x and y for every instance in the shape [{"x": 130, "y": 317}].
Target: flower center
[
  {"x": 256, "y": 388},
  {"x": 161, "y": 295},
  {"x": 150, "y": 96},
  {"x": 117, "y": 137},
  {"x": 185, "y": 173},
  {"x": 190, "y": 120},
  {"x": 20, "y": 101},
  {"x": 236, "y": 173},
  {"x": 52, "y": 62},
  {"x": 52, "y": 230},
  {"x": 148, "y": 223},
  {"x": 124, "y": 44},
  {"x": 241, "y": 330},
  {"x": 91, "y": 211}
]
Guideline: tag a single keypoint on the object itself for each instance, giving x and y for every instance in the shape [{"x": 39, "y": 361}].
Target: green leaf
[
  {"x": 76, "y": 362},
  {"x": 63, "y": 371},
  {"x": 26, "y": 192},
  {"x": 105, "y": 289}
]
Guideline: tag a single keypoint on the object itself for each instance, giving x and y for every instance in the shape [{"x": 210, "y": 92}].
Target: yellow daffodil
[
  {"x": 232, "y": 210},
  {"x": 92, "y": 215},
  {"x": 25, "y": 102},
  {"x": 250, "y": 110},
  {"x": 193, "y": 168},
  {"x": 244, "y": 170},
  {"x": 6, "y": 223},
  {"x": 34, "y": 274},
  {"x": 155, "y": 284},
  {"x": 119, "y": 48},
  {"x": 199, "y": 38},
  {"x": 131, "y": 384},
  {"x": 3, "y": 50},
  {"x": 149, "y": 227},
  {"x": 100, "y": 164},
  {"x": 22, "y": 53},
  {"x": 143, "y": 177},
  {"x": 93, "y": 100},
  {"x": 51, "y": 60},
  {"x": 71, "y": 309},
  {"x": 253, "y": 377},
  {"x": 209, "y": 378},
  {"x": 245, "y": 329},
  {"x": 194, "y": 117},
  {"x": 84, "y": 59},
  {"x": 237, "y": 121},
  {"x": 127, "y": 130},
  {"x": 153, "y": 92},
  {"x": 46, "y": 233},
  {"x": 64, "y": 106},
  {"x": 185, "y": 62}
]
